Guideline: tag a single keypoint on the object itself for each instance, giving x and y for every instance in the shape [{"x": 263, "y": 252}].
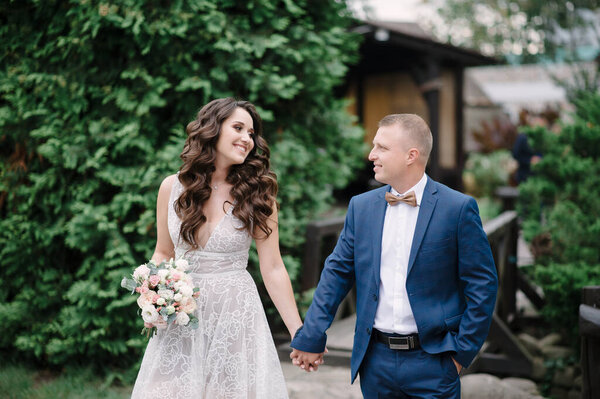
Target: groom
[{"x": 425, "y": 278}]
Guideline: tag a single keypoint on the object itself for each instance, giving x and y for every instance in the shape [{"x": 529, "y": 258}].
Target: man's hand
[
  {"x": 306, "y": 360},
  {"x": 458, "y": 366}
]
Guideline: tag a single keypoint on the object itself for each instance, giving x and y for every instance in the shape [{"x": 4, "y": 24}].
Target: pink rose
[
  {"x": 144, "y": 289},
  {"x": 154, "y": 280},
  {"x": 141, "y": 271},
  {"x": 187, "y": 305},
  {"x": 145, "y": 299},
  {"x": 176, "y": 276}
]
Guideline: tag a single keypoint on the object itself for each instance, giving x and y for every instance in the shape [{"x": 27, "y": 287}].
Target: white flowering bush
[{"x": 166, "y": 294}]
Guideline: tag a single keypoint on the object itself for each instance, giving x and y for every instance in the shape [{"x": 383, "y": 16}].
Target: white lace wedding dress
[{"x": 231, "y": 354}]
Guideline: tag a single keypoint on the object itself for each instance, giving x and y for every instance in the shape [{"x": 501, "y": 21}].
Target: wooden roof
[{"x": 404, "y": 40}]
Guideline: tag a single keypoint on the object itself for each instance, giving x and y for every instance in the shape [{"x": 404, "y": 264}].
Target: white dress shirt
[{"x": 394, "y": 314}]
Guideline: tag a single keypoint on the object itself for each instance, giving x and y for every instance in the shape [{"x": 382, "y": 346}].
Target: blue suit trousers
[{"x": 392, "y": 374}]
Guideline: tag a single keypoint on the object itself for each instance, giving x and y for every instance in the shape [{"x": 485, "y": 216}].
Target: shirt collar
[{"x": 418, "y": 188}]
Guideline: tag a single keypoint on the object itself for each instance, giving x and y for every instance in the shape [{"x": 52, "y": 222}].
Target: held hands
[{"x": 306, "y": 360}]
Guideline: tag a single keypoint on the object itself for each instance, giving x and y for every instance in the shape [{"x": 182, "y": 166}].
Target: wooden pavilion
[{"x": 404, "y": 70}]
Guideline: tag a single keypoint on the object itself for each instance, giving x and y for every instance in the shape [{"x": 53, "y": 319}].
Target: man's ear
[{"x": 413, "y": 156}]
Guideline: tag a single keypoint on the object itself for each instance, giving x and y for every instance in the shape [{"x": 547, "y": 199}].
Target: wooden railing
[
  {"x": 502, "y": 353},
  {"x": 589, "y": 329}
]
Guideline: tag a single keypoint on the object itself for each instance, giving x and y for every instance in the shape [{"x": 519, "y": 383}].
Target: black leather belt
[{"x": 398, "y": 342}]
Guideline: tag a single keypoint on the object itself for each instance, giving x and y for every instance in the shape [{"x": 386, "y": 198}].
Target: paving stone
[{"x": 328, "y": 382}]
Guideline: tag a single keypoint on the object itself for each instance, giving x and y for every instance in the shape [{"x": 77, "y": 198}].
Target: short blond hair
[{"x": 415, "y": 128}]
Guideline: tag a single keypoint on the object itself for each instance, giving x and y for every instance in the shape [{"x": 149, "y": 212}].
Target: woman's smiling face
[{"x": 235, "y": 139}]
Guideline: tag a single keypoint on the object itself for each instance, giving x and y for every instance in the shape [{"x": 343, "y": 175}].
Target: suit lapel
[
  {"x": 377, "y": 218},
  {"x": 425, "y": 211}
]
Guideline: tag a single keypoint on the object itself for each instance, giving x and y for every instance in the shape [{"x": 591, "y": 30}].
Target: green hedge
[
  {"x": 560, "y": 205},
  {"x": 94, "y": 98}
]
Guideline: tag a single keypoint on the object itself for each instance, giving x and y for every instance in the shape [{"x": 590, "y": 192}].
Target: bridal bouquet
[{"x": 166, "y": 294}]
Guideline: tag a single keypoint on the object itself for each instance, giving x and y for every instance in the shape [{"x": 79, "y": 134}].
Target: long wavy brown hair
[{"x": 254, "y": 188}]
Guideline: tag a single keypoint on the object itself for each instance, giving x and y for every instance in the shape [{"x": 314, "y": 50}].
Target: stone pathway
[{"x": 332, "y": 382}]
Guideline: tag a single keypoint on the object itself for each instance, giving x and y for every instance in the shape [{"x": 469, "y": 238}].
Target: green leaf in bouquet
[
  {"x": 171, "y": 318},
  {"x": 193, "y": 324},
  {"x": 129, "y": 284}
]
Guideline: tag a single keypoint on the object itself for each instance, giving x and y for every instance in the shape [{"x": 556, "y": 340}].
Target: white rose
[
  {"x": 141, "y": 271},
  {"x": 167, "y": 294},
  {"x": 177, "y": 297},
  {"x": 170, "y": 309},
  {"x": 186, "y": 290},
  {"x": 182, "y": 264},
  {"x": 163, "y": 273},
  {"x": 182, "y": 319},
  {"x": 149, "y": 314},
  {"x": 160, "y": 301}
]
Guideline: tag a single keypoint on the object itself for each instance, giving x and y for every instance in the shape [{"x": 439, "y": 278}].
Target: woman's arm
[
  {"x": 276, "y": 278},
  {"x": 164, "y": 246}
]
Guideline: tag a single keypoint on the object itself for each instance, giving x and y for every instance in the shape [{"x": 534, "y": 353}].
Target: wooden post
[
  {"x": 589, "y": 328},
  {"x": 427, "y": 75},
  {"x": 315, "y": 250}
]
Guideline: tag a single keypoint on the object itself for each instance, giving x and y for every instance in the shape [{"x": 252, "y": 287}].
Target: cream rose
[
  {"x": 163, "y": 274},
  {"x": 188, "y": 305},
  {"x": 149, "y": 314},
  {"x": 182, "y": 319},
  {"x": 167, "y": 294},
  {"x": 182, "y": 265},
  {"x": 145, "y": 299},
  {"x": 186, "y": 290},
  {"x": 141, "y": 272}
]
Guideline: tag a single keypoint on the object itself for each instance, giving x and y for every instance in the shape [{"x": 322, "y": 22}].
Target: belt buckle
[{"x": 402, "y": 346}]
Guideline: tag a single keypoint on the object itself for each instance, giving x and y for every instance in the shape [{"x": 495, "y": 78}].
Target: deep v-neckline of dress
[{"x": 212, "y": 233}]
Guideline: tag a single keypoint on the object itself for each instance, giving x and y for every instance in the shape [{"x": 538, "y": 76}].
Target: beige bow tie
[{"x": 410, "y": 198}]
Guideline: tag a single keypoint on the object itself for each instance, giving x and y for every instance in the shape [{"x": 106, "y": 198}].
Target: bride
[{"x": 208, "y": 213}]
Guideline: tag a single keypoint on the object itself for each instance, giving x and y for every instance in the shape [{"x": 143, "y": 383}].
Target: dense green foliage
[
  {"x": 560, "y": 205},
  {"x": 94, "y": 98}
]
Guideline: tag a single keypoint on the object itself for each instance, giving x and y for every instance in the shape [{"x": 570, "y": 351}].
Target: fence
[{"x": 589, "y": 329}]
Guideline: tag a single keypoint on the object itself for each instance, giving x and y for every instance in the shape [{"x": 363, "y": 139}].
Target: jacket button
[
  {"x": 375, "y": 297},
  {"x": 368, "y": 331}
]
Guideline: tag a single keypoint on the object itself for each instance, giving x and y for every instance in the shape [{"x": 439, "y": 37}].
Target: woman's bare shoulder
[{"x": 166, "y": 185}]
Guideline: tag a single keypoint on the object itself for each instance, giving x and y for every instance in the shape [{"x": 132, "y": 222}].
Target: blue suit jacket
[{"x": 451, "y": 281}]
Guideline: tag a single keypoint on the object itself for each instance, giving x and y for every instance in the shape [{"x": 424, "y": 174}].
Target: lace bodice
[{"x": 226, "y": 248}]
